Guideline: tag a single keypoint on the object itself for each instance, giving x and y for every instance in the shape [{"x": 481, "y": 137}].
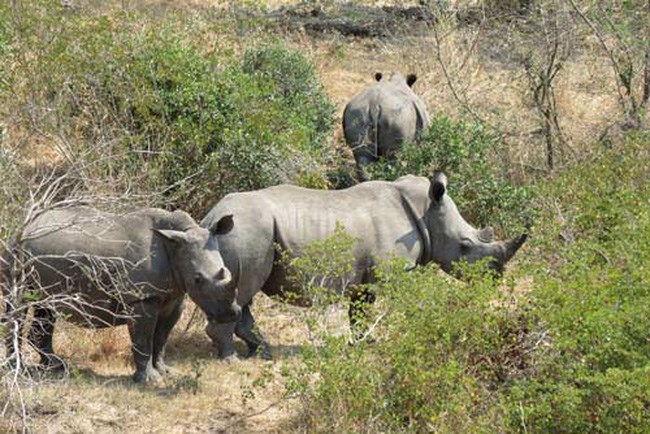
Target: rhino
[
  {"x": 378, "y": 120},
  {"x": 103, "y": 270},
  {"x": 412, "y": 218}
]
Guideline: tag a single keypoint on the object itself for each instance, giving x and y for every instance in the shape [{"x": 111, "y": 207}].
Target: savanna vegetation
[{"x": 538, "y": 118}]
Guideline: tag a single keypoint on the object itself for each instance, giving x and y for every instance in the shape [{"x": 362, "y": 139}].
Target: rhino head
[
  {"x": 453, "y": 239},
  {"x": 198, "y": 266}
]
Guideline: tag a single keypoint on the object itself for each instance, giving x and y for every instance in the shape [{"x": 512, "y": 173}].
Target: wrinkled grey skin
[
  {"x": 412, "y": 217},
  {"x": 157, "y": 255},
  {"x": 382, "y": 117}
]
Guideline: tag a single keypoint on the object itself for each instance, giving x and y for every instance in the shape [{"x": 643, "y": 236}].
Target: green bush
[
  {"x": 154, "y": 112},
  {"x": 568, "y": 352},
  {"x": 443, "y": 349},
  {"x": 467, "y": 152}
]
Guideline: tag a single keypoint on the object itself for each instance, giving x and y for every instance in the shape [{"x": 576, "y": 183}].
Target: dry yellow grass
[{"x": 245, "y": 396}]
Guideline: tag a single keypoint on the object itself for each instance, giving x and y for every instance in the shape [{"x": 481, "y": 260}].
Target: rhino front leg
[
  {"x": 247, "y": 331},
  {"x": 41, "y": 337},
  {"x": 142, "y": 330},
  {"x": 222, "y": 338},
  {"x": 166, "y": 323}
]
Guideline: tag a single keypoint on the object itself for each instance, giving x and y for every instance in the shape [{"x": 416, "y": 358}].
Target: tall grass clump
[
  {"x": 167, "y": 115},
  {"x": 561, "y": 346},
  {"x": 468, "y": 152}
]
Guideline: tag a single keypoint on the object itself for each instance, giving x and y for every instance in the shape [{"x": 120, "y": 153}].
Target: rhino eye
[
  {"x": 197, "y": 278},
  {"x": 465, "y": 248}
]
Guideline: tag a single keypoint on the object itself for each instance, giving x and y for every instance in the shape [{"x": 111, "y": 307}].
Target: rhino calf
[
  {"x": 412, "y": 217},
  {"x": 378, "y": 120},
  {"x": 107, "y": 270}
]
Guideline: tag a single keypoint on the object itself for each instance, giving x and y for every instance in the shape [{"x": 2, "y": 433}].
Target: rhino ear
[
  {"x": 223, "y": 226},
  {"x": 172, "y": 235},
  {"x": 486, "y": 235},
  {"x": 438, "y": 186},
  {"x": 411, "y": 79},
  {"x": 378, "y": 76}
]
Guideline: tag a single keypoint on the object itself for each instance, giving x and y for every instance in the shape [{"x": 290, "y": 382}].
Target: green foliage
[
  {"x": 321, "y": 266},
  {"x": 568, "y": 353},
  {"x": 319, "y": 276},
  {"x": 442, "y": 348},
  {"x": 595, "y": 230},
  {"x": 154, "y": 112},
  {"x": 467, "y": 152}
]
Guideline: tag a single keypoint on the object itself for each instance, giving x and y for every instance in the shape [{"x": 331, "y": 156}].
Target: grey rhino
[
  {"x": 133, "y": 268},
  {"x": 378, "y": 120},
  {"x": 411, "y": 217}
]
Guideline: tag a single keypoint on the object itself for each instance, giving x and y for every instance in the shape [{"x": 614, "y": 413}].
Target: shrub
[
  {"x": 443, "y": 350},
  {"x": 160, "y": 114},
  {"x": 571, "y": 354}
]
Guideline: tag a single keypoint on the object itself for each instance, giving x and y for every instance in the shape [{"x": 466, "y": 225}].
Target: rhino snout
[{"x": 225, "y": 314}]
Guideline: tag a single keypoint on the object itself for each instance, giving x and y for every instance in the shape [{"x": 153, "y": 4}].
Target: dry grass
[{"x": 246, "y": 396}]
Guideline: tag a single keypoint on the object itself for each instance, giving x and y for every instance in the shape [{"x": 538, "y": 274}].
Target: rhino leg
[
  {"x": 363, "y": 158},
  {"x": 250, "y": 334},
  {"x": 164, "y": 326},
  {"x": 222, "y": 338},
  {"x": 41, "y": 337},
  {"x": 142, "y": 330},
  {"x": 358, "y": 312}
]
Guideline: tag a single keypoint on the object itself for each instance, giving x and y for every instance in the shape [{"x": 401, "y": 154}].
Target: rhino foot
[
  {"x": 262, "y": 352},
  {"x": 150, "y": 375},
  {"x": 232, "y": 358},
  {"x": 163, "y": 369}
]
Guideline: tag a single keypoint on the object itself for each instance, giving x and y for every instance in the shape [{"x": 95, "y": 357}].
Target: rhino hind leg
[
  {"x": 41, "y": 336},
  {"x": 363, "y": 158},
  {"x": 142, "y": 329},
  {"x": 250, "y": 334},
  {"x": 164, "y": 327}
]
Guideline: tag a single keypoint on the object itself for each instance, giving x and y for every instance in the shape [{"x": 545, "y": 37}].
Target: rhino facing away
[
  {"x": 378, "y": 120},
  {"x": 123, "y": 269},
  {"x": 412, "y": 217}
]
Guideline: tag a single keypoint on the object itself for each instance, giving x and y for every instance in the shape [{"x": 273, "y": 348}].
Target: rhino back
[
  {"x": 400, "y": 115},
  {"x": 292, "y": 217},
  {"x": 125, "y": 256}
]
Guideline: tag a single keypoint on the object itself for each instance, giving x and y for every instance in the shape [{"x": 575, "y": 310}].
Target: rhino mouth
[{"x": 225, "y": 315}]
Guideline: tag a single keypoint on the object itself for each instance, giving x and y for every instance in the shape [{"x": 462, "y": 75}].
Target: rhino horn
[
  {"x": 438, "y": 186},
  {"x": 511, "y": 246}
]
